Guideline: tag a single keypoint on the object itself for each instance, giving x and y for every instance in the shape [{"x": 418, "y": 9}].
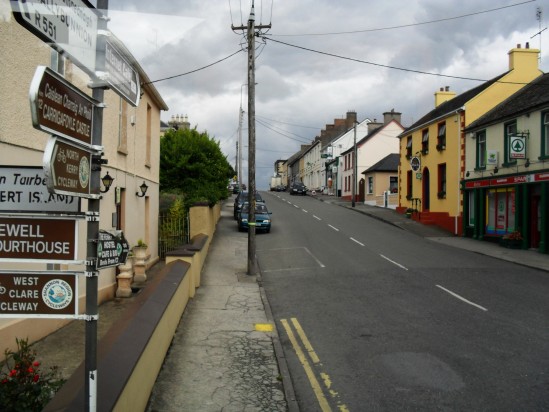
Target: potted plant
[
  {"x": 441, "y": 194},
  {"x": 409, "y": 212},
  {"x": 512, "y": 240}
]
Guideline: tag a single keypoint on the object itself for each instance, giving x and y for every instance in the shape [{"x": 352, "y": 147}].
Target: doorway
[
  {"x": 535, "y": 221},
  {"x": 426, "y": 192}
]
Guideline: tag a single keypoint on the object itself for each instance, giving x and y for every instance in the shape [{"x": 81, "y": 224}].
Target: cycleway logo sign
[
  {"x": 26, "y": 239},
  {"x": 60, "y": 108},
  {"x": 38, "y": 294}
]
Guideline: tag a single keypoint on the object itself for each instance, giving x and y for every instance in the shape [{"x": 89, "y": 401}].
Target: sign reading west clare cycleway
[
  {"x": 122, "y": 77},
  {"x": 68, "y": 169},
  {"x": 68, "y": 26},
  {"x": 38, "y": 294},
  {"x": 27, "y": 239},
  {"x": 112, "y": 250},
  {"x": 58, "y": 107},
  {"x": 24, "y": 189}
]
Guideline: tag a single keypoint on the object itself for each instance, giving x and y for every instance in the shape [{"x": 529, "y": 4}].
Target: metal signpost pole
[{"x": 92, "y": 274}]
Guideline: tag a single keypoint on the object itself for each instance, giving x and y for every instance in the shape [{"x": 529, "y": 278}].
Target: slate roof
[
  {"x": 533, "y": 96},
  {"x": 388, "y": 164},
  {"x": 451, "y": 105}
]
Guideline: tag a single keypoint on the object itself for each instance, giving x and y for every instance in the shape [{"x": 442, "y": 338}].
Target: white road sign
[
  {"x": 517, "y": 147},
  {"x": 70, "y": 26},
  {"x": 121, "y": 75}
]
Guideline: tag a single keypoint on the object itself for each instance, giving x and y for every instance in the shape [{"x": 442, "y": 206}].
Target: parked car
[
  {"x": 298, "y": 188},
  {"x": 236, "y": 189},
  {"x": 262, "y": 217},
  {"x": 240, "y": 199}
]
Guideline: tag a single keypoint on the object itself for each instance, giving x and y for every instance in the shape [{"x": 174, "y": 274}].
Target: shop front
[{"x": 508, "y": 207}]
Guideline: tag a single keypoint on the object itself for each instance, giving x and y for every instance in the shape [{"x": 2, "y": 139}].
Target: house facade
[
  {"x": 506, "y": 183},
  {"x": 432, "y": 150},
  {"x": 381, "y": 182},
  {"x": 131, "y": 146}
]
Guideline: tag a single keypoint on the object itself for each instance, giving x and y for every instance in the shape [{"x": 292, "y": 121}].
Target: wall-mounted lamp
[
  {"x": 527, "y": 164},
  {"x": 467, "y": 174},
  {"x": 143, "y": 189},
  {"x": 107, "y": 182},
  {"x": 496, "y": 169}
]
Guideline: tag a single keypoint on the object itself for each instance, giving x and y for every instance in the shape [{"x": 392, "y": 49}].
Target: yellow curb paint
[
  {"x": 264, "y": 327},
  {"x": 305, "y": 341}
]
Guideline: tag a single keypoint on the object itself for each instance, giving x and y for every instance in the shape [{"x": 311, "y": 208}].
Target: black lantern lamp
[
  {"x": 107, "y": 182},
  {"x": 143, "y": 189}
]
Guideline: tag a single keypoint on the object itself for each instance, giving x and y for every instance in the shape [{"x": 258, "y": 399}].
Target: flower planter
[
  {"x": 124, "y": 279},
  {"x": 140, "y": 253},
  {"x": 511, "y": 243}
]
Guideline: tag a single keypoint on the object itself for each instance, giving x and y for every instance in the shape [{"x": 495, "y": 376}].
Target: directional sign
[
  {"x": 68, "y": 169},
  {"x": 38, "y": 294},
  {"x": 68, "y": 26},
  {"x": 517, "y": 147},
  {"x": 24, "y": 189},
  {"x": 60, "y": 108},
  {"x": 112, "y": 250},
  {"x": 29, "y": 238},
  {"x": 121, "y": 76}
]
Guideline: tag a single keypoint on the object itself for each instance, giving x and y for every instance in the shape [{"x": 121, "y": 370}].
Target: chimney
[
  {"x": 392, "y": 115},
  {"x": 373, "y": 126},
  {"x": 523, "y": 59},
  {"x": 350, "y": 120},
  {"x": 443, "y": 95}
]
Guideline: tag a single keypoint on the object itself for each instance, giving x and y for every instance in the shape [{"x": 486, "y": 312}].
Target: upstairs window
[
  {"x": 510, "y": 131},
  {"x": 441, "y": 136},
  {"x": 481, "y": 150},
  {"x": 545, "y": 135},
  {"x": 425, "y": 141},
  {"x": 409, "y": 146}
]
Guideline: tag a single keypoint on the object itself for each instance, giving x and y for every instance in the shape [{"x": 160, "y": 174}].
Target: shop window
[
  {"x": 501, "y": 211},
  {"x": 370, "y": 185},
  {"x": 471, "y": 200},
  {"x": 545, "y": 135},
  {"x": 393, "y": 184},
  {"x": 510, "y": 130},
  {"x": 441, "y": 136},
  {"x": 425, "y": 141},
  {"x": 441, "y": 181},
  {"x": 481, "y": 150},
  {"x": 409, "y": 147}
]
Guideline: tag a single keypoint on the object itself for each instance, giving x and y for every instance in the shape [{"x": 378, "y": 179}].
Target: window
[
  {"x": 409, "y": 193},
  {"x": 370, "y": 185},
  {"x": 149, "y": 136},
  {"x": 545, "y": 135},
  {"x": 501, "y": 211},
  {"x": 481, "y": 150},
  {"x": 471, "y": 200},
  {"x": 409, "y": 146},
  {"x": 441, "y": 181},
  {"x": 393, "y": 184},
  {"x": 123, "y": 127},
  {"x": 425, "y": 141},
  {"x": 510, "y": 130},
  {"x": 441, "y": 136}
]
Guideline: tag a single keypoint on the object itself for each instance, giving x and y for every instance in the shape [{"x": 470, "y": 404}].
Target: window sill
[
  {"x": 122, "y": 150},
  {"x": 509, "y": 164}
]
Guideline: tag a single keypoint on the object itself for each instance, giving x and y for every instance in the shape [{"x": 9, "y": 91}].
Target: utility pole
[
  {"x": 250, "y": 28},
  {"x": 239, "y": 145}
]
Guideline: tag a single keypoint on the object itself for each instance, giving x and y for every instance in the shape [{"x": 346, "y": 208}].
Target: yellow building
[{"x": 432, "y": 150}]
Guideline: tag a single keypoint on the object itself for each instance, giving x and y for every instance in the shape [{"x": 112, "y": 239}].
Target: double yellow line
[{"x": 304, "y": 356}]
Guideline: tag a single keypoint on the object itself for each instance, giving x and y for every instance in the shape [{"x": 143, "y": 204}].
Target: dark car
[
  {"x": 298, "y": 189},
  {"x": 240, "y": 199},
  {"x": 262, "y": 217}
]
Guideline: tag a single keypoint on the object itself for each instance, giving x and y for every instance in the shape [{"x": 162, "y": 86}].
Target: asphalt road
[{"x": 374, "y": 318}]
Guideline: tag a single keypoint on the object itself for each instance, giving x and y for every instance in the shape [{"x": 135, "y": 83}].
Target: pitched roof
[
  {"x": 388, "y": 164},
  {"x": 534, "y": 95},
  {"x": 451, "y": 105}
]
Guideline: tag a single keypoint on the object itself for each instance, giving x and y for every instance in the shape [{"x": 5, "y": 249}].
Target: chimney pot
[
  {"x": 442, "y": 89},
  {"x": 527, "y": 45},
  {"x": 518, "y": 46},
  {"x": 447, "y": 88}
]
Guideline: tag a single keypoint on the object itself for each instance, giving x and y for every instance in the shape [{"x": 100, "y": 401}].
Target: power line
[
  {"x": 404, "y": 25},
  {"x": 273, "y": 128},
  {"x": 194, "y": 71},
  {"x": 290, "y": 124}
]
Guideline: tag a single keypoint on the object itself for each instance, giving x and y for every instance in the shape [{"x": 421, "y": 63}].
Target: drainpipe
[{"x": 458, "y": 119}]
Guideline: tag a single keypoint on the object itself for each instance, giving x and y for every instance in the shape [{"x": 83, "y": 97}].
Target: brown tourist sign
[
  {"x": 60, "y": 108},
  {"x": 26, "y": 238},
  {"x": 38, "y": 294}
]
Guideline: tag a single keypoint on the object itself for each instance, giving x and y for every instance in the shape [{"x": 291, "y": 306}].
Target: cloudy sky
[{"x": 299, "y": 91}]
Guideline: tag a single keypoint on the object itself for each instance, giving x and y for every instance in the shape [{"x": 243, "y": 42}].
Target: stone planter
[
  {"x": 124, "y": 279},
  {"x": 139, "y": 265}
]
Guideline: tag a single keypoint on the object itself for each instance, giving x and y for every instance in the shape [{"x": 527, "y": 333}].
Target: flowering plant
[
  {"x": 23, "y": 386},
  {"x": 513, "y": 236}
]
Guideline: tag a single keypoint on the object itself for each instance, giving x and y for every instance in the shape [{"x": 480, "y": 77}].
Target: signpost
[
  {"x": 60, "y": 108},
  {"x": 68, "y": 26},
  {"x": 121, "y": 76},
  {"x": 28, "y": 239},
  {"x": 67, "y": 169},
  {"x": 112, "y": 250},
  {"x": 38, "y": 294},
  {"x": 24, "y": 189}
]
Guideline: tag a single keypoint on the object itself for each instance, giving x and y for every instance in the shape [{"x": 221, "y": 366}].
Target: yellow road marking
[
  {"x": 323, "y": 402},
  {"x": 305, "y": 341},
  {"x": 264, "y": 327}
]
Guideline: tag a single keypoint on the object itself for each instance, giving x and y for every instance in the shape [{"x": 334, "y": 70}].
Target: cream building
[{"x": 131, "y": 140}]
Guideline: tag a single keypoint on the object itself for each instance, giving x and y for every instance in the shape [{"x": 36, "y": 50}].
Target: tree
[{"x": 192, "y": 163}]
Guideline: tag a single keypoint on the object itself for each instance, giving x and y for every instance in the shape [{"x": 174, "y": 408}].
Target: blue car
[{"x": 262, "y": 217}]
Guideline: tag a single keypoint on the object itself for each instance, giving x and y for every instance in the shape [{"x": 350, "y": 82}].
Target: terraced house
[
  {"x": 433, "y": 149},
  {"x": 506, "y": 185}
]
